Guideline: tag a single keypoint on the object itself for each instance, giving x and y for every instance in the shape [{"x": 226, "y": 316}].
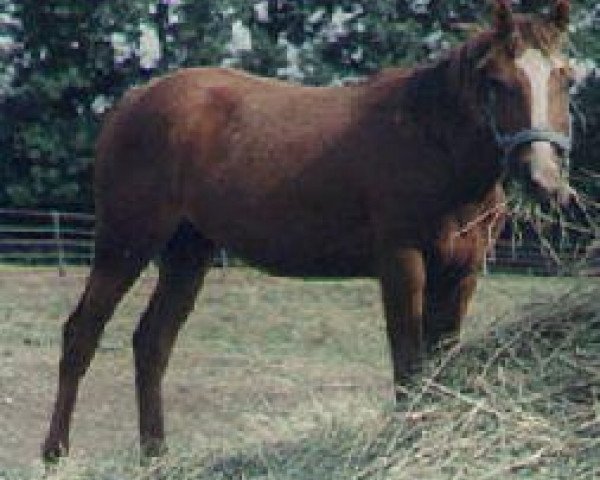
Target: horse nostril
[
  {"x": 559, "y": 151},
  {"x": 573, "y": 199},
  {"x": 568, "y": 197}
]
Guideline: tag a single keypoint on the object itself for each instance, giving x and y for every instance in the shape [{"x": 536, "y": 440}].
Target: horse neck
[{"x": 438, "y": 101}]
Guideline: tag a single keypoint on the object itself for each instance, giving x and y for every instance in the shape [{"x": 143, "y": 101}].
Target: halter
[{"x": 509, "y": 142}]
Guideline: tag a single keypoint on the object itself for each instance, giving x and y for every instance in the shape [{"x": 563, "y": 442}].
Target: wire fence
[
  {"x": 63, "y": 239},
  {"x": 36, "y": 237},
  {"x": 529, "y": 257}
]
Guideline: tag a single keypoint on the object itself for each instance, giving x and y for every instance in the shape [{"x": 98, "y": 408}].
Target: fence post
[
  {"x": 513, "y": 244},
  {"x": 60, "y": 254},
  {"x": 224, "y": 259},
  {"x": 485, "y": 261},
  {"x": 487, "y": 251}
]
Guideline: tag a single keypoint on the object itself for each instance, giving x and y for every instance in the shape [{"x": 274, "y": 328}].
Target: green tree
[{"x": 65, "y": 74}]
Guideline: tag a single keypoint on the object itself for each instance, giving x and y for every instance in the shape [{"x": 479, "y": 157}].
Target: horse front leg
[
  {"x": 402, "y": 277},
  {"x": 447, "y": 303}
]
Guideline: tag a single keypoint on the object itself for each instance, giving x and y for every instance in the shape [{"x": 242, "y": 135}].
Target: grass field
[{"x": 280, "y": 379}]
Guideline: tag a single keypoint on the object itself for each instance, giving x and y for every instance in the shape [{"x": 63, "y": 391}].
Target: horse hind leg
[
  {"x": 182, "y": 267},
  {"x": 113, "y": 272}
]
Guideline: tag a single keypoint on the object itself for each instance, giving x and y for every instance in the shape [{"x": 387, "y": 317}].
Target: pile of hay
[{"x": 522, "y": 402}]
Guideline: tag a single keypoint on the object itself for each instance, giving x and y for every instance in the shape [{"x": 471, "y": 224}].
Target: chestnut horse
[{"x": 398, "y": 177}]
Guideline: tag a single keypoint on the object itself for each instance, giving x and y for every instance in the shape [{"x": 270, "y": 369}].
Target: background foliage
[{"x": 64, "y": 62}]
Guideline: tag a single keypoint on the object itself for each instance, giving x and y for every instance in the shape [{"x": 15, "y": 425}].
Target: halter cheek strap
[{"x": 509, "y": 142}]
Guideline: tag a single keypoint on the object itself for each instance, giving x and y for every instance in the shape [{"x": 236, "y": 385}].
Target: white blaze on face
[
  {"x": 544, "y": 167},
  {"x": 538, "y": 67}
]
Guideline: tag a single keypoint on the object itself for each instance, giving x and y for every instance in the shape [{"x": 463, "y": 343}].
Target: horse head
[{"x": 522, "y": 78}]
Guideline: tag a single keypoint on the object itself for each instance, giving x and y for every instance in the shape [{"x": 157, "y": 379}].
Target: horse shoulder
[{"x": 467, "y": 233}]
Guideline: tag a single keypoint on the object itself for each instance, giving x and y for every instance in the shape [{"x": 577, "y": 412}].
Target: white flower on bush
[
  {"x": 100, "y": 104},
  {"x": 420, "y": 6},
  {"x": 293, "y": 71},
  {"x": 122, "y": 49},
  {"x": 241, "y": 38},
  {"x": 261, "y": 11},
  {"x": 358, "y": 54},
  {"x": 583, "y": 70},
  {"x": 317, "y": 16},
  {"x": 149, "y": 47},
  {"x": 338, "y": 27}
]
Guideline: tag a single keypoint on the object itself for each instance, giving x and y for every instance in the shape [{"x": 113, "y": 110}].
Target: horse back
[{"x": 257, "y": 165}]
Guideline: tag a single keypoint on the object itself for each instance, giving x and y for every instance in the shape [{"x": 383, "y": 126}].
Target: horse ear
[
  {"x": 560, "y": 14},
  {"x": 504, "y": 21}
]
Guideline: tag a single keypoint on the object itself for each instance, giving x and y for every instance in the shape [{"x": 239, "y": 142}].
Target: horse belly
[
  {"x": 353, "y": 259},
  {"x": 288, "y": 240},
  {"x": 337, "y": 265},
  {"x": 303, "y": 249}
]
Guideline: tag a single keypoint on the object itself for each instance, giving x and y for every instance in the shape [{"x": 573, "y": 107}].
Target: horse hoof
[
  {"x": 402, "y": 393},
  {"x": 152, "y": 449},
  {"x": 52, "y": 452}
]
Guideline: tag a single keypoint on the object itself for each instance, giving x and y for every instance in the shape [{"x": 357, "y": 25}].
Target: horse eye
[
  {"x": 499, "y": 86},
  {"x": 495, "y": 83}
]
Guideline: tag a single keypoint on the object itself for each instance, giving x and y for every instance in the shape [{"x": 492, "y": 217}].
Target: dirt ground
[{"x": 261, "y": 359}]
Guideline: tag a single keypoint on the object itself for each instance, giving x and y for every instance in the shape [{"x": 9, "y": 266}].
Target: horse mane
[
  {"x": 435, "y": 89},
  {"x": 434, "y": 93}
]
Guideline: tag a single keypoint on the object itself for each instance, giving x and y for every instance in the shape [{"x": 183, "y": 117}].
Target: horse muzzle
[
  {"x": 544, "y": 155},
  {"x": 547, "y": 172}
]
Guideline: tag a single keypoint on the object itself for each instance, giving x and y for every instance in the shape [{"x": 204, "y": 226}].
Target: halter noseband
[{"x": 509, "y": 142}]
